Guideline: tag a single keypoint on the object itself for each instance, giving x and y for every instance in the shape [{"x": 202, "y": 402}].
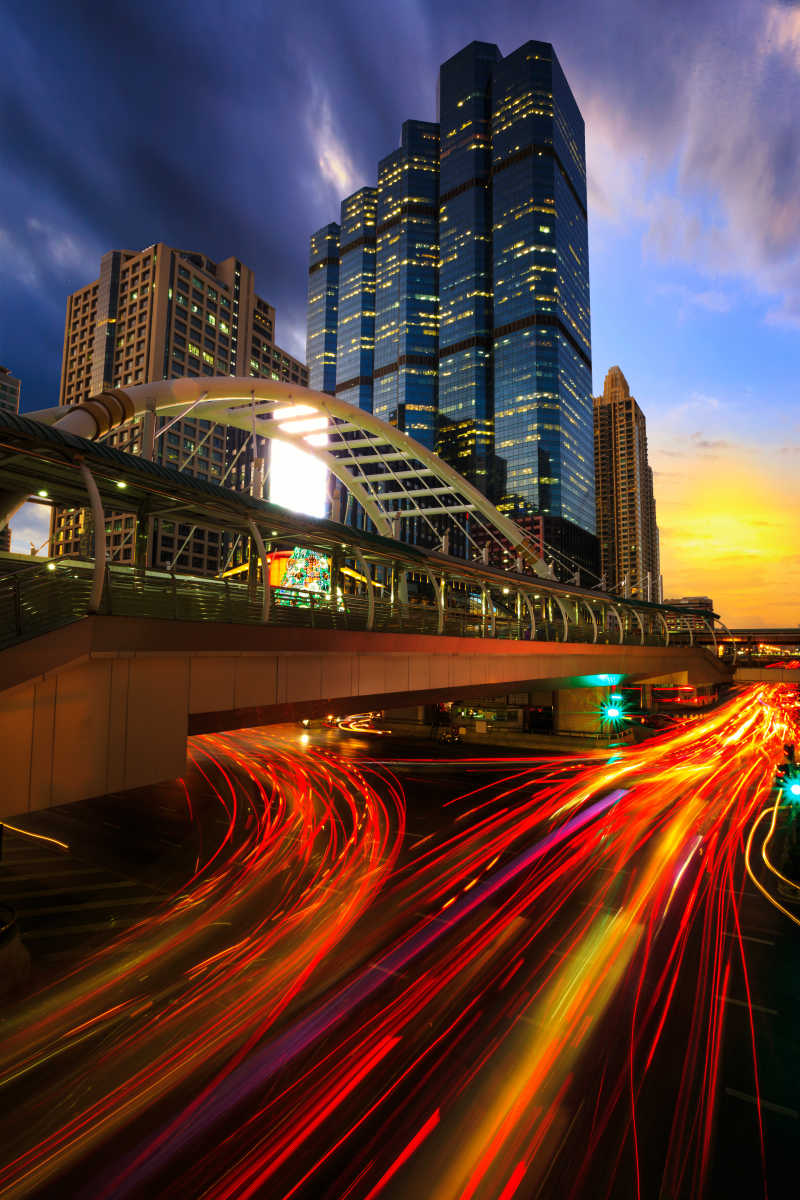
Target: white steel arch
[{"x": 388, "y": 473}]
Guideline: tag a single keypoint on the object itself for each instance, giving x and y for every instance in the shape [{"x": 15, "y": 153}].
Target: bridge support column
[{"x": 579, "y": 710}]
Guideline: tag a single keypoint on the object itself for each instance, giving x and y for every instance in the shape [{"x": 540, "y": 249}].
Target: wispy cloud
[
  {"x": 710, "y": 300},
  {"x": 37, "y": 250},
  {"x": 710, "y": 167},
  {"x": 333, "y": 159}
]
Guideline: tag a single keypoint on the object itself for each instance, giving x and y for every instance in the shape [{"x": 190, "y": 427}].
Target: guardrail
[{"x": 42, "y": 597}]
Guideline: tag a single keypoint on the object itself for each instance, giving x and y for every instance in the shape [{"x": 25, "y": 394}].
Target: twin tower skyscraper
[{"x": 452, "y": 299}]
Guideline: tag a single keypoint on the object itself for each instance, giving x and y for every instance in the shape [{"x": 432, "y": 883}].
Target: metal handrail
[{"x": 57, "y": 593}]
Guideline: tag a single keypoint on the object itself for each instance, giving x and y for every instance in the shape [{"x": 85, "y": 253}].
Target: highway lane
[{"x": 436, "y": 978}]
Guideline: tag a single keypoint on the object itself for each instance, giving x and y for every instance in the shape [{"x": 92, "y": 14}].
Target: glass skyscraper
[
  {"x": 323, "y": 300},
  {"x": 466, "y": 425},
  {"x": 406, "y": 292},
  {"x": 541, "y": 336},
  {"x": 355, "y": 331},
  {"x": 488, "y": 358}
]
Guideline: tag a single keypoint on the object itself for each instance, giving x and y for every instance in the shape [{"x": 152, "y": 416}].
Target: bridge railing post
[{"x": 17, "y": 602}]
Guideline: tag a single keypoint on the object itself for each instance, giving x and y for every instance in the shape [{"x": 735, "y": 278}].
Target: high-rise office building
[
  {"x": 626, "y": 508},
  {"x": 10, "y": 390},
  {"x": 496, "y": 343},
  {"x": 406, "y": 270},
  {"x": 162, "y": 313},
  {"x": 323, "y": 300},
  {"x": 355, "y": 328},
  {"x": 466, "y": 386}
]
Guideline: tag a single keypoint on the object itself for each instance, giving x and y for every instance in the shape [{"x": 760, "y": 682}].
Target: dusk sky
[{"x": 237, "y": 129}]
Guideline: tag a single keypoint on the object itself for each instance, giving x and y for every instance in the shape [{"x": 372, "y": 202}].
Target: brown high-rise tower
[
  {"x": 162, "y": 313},
  {"x": 626, "y": 509}
]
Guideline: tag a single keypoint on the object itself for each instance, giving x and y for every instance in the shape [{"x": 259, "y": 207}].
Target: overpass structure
[{"x": 106, "y": 669}]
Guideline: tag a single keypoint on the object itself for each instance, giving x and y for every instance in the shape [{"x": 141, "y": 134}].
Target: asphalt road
[{"x": 345, "y": 965}]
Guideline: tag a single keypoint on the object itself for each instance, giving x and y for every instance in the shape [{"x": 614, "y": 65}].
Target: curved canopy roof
[{"x": 390, "y": 475}]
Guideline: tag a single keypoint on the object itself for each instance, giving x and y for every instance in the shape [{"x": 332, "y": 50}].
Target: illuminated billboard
[
  {"x": 297, "y": 480},
  {"x": 306, "y": 571}
]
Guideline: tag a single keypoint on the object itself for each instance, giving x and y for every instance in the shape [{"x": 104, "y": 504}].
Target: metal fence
[{"x": 36, "y": 598}]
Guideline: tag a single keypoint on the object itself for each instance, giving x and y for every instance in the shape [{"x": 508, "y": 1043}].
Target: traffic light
[
  {"x": 787, "y": 776},
  {"x": 614, "y": 708}
]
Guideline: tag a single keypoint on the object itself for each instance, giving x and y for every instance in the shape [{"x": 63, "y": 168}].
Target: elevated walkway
[
  {"x": 767, "y": 675},
  {"x": 105, "y": 669},
  {"x": 106, "y": 703}
]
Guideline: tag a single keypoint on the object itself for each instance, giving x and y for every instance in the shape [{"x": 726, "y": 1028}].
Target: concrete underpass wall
[
  {"x": 767, "y": 675},
  {"x": 106, "y": 704},
  {"x": 97, "y": 726}
]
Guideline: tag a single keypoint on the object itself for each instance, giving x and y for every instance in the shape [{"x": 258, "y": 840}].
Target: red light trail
[{"x": 328, "y": 1007}]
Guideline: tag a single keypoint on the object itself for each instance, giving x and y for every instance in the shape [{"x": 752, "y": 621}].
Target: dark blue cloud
[{"x": 202, "y": 125}]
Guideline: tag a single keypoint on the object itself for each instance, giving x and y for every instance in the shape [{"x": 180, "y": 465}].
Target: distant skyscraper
[
  {"x": 162, "y": 313},
  {"x": 406, "y": 271},
  {"x": 355, "y": 330},
  {"x": 496, "y": 343},
  {"x": 466, "y": 386},
  {"x": 626, "y": 509},
  {"x": 10, "y": 389},
  {"x": 323, "y": 300}
]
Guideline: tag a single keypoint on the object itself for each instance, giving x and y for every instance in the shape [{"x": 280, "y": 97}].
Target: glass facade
[
  {"x": 323, "y": 301},
  {"x": 487, "y": 358},
  {"x": 406, "y": 275},
  {"x": 355, "y": 333},
  {"x": 541, "y": 336},
  {"x": 466, "y": 427}
]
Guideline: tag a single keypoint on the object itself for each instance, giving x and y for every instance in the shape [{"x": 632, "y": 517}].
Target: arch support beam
[
  {"x": 100, "y": 548},
  {"x": 255, "y": 534},
  {"x": 365, "y": 570},
  {"x": 526, "y": 600},
  {"x": 564, "y": 617}
]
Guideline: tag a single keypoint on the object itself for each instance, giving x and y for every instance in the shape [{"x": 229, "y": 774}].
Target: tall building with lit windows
[
  {"x": 626, "y": 507},
  {"x": 406, "y": 277},
  {"x": 10, "y": 389},
  {"x": 162, "y": 313},
  {"x": 541, "y": 337},
  {"x": 498, "y": 192},
  {"x": 355, "y": 327},
  {"x": 323, "y": 301},
  {"x": 466, "y": 386}
]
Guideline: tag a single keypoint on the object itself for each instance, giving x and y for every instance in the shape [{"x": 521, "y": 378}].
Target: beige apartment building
[
  {"x": 162, "y": 313},
  {"x": 626, "y": 507}
]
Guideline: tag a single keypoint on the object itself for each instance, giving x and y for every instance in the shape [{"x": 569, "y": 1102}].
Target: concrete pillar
[{"x": 579, "y": 710}]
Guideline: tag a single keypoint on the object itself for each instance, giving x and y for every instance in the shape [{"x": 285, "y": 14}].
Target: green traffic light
[{"x": 794, "y": 789}]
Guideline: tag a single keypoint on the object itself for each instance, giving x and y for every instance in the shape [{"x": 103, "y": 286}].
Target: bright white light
[{"x": 297, "y": 480}]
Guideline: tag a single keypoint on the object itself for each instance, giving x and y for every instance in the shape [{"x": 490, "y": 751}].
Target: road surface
[{"x": 408, "y": 974}]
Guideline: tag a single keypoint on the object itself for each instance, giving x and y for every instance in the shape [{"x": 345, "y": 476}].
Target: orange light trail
[{"x": 327, "y": 1008}]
